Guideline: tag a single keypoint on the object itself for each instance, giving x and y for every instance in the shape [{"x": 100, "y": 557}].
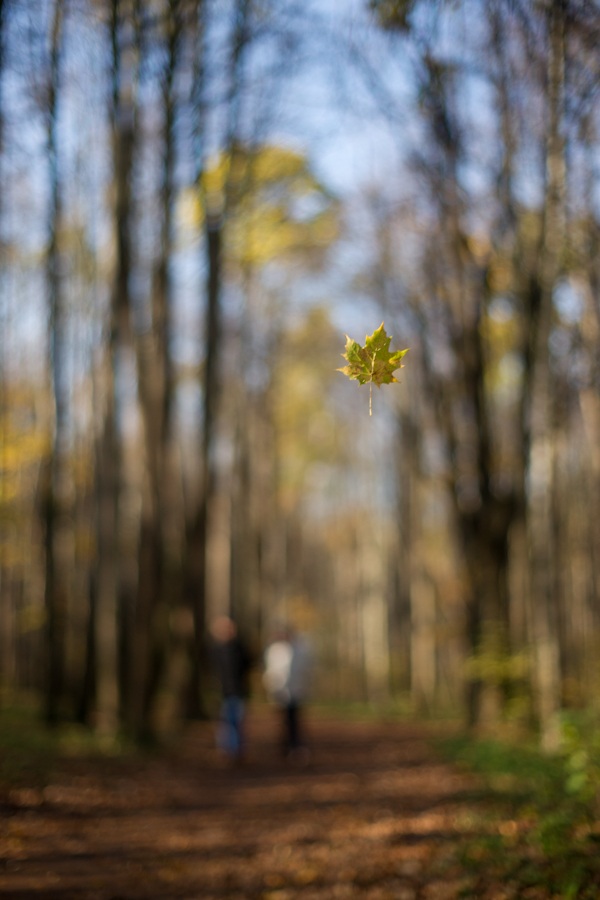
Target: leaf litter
[{"x": 374, "y": 815}]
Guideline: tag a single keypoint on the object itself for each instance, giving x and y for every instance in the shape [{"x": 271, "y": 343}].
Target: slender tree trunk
[
  {"x": 423, "y": 645},
  {"x": 103, "y": 641},
  {"x": 542, "y": 447},
  {"x": 197, "y": 535},
  {"x": 405, "y": 563},
  {"x": 214, "y": 222},
  {"x": 158, "y": 578},
  {"x": 55, "y": 574},
  {"x": 109, "y": 471},
  {"x": 589, "y": 398},
  {"x": 7, "y": 618},
  {"x": 374, "y": 624}
]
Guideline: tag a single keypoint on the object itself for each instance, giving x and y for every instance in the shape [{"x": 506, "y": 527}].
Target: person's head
[
  {"x": 223, "y": 629},
  {"x": 282, "y": 631}
]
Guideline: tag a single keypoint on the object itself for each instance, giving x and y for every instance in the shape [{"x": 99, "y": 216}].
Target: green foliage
[
  {"x": 494, "y": 665},
  {"x": 581, "y": 747},
  {"x": 507, "y": 672},
  {"x": 537, "y": 814},
  {"x": 30, "y": 752},
  {"x": 374, "y": 363}
]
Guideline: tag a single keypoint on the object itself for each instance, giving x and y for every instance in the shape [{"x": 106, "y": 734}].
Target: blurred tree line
[{"x": 174, "y": 440}]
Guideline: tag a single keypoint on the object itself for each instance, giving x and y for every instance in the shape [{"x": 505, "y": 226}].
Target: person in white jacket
[{"x": 287, "y": 677}]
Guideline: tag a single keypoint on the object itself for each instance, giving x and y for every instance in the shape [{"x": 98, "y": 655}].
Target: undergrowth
[
  {"x": 28, "y": 751},
  {"x": 31, "y": 751},
  {"x": 535, "y": 822}
]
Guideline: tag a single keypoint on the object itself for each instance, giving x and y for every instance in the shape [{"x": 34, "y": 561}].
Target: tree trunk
[
  {"x": 541, "y": 454},
  {"x": 214, "y": 223},
  {"x": 105, "y": 580},
  {"x": 423, "y": 644},
  {"x": 486, "y": 552},
  {"x": 7, "y": 613},
  {"x": 109, "y": 474},
  {"x": 197, "y": 540},
  {"x": 158, "y": 579},
  {"x": 55, "y": 474},
  {"x": 374, "y": 617}
]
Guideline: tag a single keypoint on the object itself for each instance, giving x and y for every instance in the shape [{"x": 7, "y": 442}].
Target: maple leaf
[{"x": 374, "y": 363}]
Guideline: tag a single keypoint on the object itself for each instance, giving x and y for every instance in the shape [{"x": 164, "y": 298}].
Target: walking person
[
  {"x": 287, "y": 676},
  {"x": 231, "y": 665}
]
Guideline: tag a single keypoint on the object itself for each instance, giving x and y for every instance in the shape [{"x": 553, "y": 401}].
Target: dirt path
[{"x": 374, "y": 815}]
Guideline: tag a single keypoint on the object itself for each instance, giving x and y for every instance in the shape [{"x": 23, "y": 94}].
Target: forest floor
[{"x": 375, "y": 814}]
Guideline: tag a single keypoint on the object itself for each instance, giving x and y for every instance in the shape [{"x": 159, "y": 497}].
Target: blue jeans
[{"x": 230, "y": 735}]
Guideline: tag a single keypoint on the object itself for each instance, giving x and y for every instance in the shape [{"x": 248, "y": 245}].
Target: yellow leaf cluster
[
  {"x": 18, "y": 449},
  {"x": 260, "y": 193}
]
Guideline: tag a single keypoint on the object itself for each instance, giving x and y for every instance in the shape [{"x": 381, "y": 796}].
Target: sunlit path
[{"x": 374, "y": 814}]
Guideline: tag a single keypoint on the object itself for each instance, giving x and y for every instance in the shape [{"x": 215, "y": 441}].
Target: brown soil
[{"x": 373, "y": 814}]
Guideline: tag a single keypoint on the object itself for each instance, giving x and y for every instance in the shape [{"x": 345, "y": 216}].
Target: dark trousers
[{"x": 292, "y": 732}]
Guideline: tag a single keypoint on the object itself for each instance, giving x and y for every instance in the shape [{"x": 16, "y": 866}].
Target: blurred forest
[{"x": 198, "y": 198}]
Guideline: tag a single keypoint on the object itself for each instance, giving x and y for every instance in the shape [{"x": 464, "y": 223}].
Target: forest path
[{"x": 374, "y": 815}]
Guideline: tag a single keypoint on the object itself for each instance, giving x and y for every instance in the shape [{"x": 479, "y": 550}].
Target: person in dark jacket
[{"x": 231, "y": 664}]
